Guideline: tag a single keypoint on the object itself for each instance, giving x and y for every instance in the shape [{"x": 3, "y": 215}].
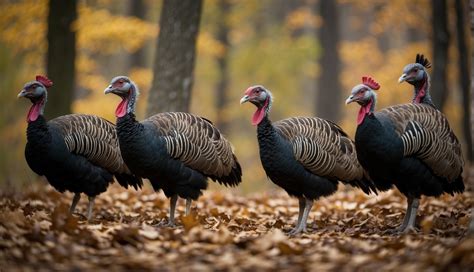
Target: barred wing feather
[
  {"x": 196, "y": 142},
  {"x": 426, "y": 134},
  {"x": 321, "y": 147},
  {"x": 94, "y": 138}
]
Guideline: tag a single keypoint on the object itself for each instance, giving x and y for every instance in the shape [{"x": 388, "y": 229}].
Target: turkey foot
[
  {"x": 296, "y": 230},
  {"x": 305, "y": 208},
  {"x": 171, "y": 223},
  {"x": 408, "y": 224}
]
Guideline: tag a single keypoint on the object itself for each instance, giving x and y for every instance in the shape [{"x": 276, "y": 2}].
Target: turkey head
[
  {"x": 36, "y": 92},
  {"x": 125, "y": 89},
  {"x": 261, "y": 98},
  {"x": 364, "y": 94}
]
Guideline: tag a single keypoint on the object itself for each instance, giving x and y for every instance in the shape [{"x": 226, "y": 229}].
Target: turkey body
[
  {"x": 379, "y": 151},
  {"x": 77, "y": 153},
  {"x": 177, "y": 152},
  {"x": 144, "y": 151},
  {"x": 307, "y": 157},
  {"x": 412, "y": 147},
  {"x": 281, "y": 166}
]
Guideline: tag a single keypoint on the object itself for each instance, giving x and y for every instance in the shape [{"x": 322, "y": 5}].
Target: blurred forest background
[{"x": 309, "y": 53}]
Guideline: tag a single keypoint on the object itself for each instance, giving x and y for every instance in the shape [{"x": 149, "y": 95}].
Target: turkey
[
  {"x": 416, "y": 75},
  {"x": 306, "y": 156},
  {"x": 176, "y": 151},
  {"x": 410, "y": 146},
  {"x": 77, "y": 152}
]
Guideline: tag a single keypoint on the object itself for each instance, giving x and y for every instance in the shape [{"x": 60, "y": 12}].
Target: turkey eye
[{"x": 415, "y": 70}]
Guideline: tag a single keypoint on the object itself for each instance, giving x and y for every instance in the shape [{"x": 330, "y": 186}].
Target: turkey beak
[
  {"x": 402, "y": 78},
  {"x": 22, "y": 93},
  {"x": 109, "y": 89},
  {"x": 350, "y": 99},
  {"x": 244, "y": 99}
]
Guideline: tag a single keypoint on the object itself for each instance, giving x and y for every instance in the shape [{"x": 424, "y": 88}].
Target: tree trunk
[
  {"x": 329, "y": 92},
  {"x": 175, "y": 56},
  {"x": 138, "y": 58},
  {"x": 464, "y": 75},
  {"x": 440, "y": 44},
  {"x": 61, "y": 56},
  {"x": 222, "y": 85},
  {"x": 469, "y": 168}
]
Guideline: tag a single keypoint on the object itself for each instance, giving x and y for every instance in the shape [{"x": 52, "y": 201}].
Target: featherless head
[
  {"x": 36, "y": 92},
  {"x": 261, "y": 98},
  {"x": 36, "y": 89},
  {"x": 121, "y": 86},
  {"x": 257, "y": 95},
  {"x": 417, "y": 75},
  {"x": 365, "y": 92},
  {"x": 127, "y": 90},
  {"x": 414, "y": 73}
]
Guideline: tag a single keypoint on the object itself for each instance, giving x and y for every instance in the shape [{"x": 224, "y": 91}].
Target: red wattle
[
  {"x": 34, "y": 112},
  {"x": 259, "y": 114},
  {"x": 122, "y": 108},
  {"x": 420, "y": 94},
  {"x": 363, "y": 111}
]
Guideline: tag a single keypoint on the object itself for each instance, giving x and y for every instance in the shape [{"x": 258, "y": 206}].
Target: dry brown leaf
[
  {"x": 227, "y": 231},
  {"x": 189, "y": 221}
]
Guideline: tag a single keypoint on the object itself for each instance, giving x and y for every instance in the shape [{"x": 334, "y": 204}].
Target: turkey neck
[
  {"x": 377, "y": 141},
  {"x": 269, "y": 141},
  {"x": 265, "y": 129},
  {"x": 128, "y": 127},
  {"x": 37, "y": 132},
  {"x": 422, "y": 92}
]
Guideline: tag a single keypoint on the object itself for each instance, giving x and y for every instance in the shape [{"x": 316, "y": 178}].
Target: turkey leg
[
  {"x": 75, "y": 200},
  {"x": 90, "y": 207},
  {"x": 173, "y": 201},
  {"x": 188, "y": 206},
  {"x": 411, "y": 221},
  {"x": 302, "y": 226},
  {"x": 404, "y": 224},
  {"x": 300, "y": 215}
]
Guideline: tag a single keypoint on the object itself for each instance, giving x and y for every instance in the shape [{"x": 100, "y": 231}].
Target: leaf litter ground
[{"x": 226, "y": 231}]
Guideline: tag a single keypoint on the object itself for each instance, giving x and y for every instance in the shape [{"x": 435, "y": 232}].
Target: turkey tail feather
[{"x": 126, "y": 180}]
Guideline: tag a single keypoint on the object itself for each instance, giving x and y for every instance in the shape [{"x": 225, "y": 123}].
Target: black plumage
[
  {"x": 410, "y": 146},
  {"x": 176, "y": 151},
  {"x": 306, "y": 156},
  {"x": 77, "y": 152}
]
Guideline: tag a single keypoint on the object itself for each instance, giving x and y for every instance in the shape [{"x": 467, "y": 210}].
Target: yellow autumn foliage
[
  {"x": 115, "y": 32},
  {"x": 301, "y": 18}
]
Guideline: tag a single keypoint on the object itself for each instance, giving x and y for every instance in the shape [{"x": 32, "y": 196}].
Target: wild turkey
[
  {"x": 416, "y": 75},
  {"x": 77, "y": 152},
  {"x": 410, "y": 146},
  {"x": 306, "y": 156},
  {"x": 176, "y": 151}
]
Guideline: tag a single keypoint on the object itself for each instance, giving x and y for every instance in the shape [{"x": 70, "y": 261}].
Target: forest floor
[{"x": 226, "y": 231}]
